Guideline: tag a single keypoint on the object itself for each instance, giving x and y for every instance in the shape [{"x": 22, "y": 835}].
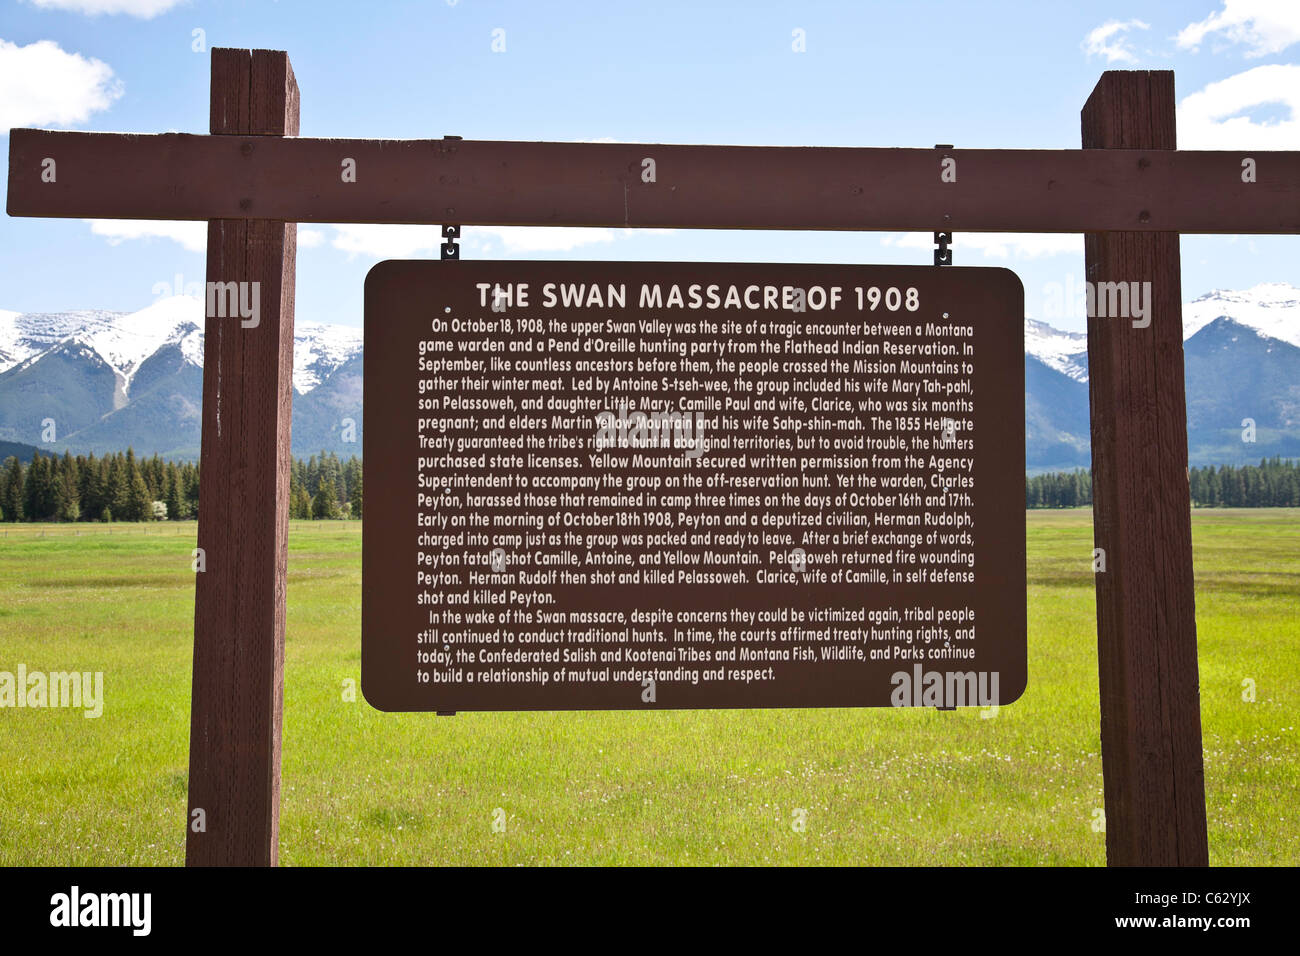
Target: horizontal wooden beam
[{"x": 182, "y": 176}]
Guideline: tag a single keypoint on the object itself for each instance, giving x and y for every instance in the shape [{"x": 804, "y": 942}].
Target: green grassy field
[{"x": 876, "y": 786}]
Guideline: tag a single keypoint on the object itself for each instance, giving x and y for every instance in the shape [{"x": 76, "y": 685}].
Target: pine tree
[
  {"x": 190, "y": 481},
  {"x": 116, "y": 487},
  {"x": 174, "y": 499},
  {"x": 356, "y": 491},
  {"x": 69, "y": 503},
  {"x": 330, "y": 470},
  {"x": 139, "y": 503},
  {"x": 1213, "y": 488},
  {"x": 154, "y": 473},
  {"x": 326, "y": 502},
  {"x": 88, "y": 484},
  {"x": 12, "y": 495},
  {"x": 37, "y": 489},
  {"x": 50, "y": 488},
  {"x": 32, "y": 497}
]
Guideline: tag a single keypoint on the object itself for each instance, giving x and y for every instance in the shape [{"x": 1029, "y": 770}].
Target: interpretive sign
[
  {"x": 1129, "y": 191},
  {"x": 630, "y": 485}
]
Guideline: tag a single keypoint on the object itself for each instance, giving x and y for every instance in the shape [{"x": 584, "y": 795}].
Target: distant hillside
[
  {"x": 13, "y": 449},
  {"x": 115, "y": 380},
  {"x": 1241, "y": 353}
]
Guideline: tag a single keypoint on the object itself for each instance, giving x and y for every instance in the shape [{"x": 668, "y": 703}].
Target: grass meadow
[{"x": 872, "y": 786}]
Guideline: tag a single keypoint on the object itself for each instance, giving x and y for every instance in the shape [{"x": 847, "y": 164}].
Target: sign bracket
[
  {"x": 942, "y": 253},
  {"x": 450, "y": 233},
  {"x": 450, "y": 248}
]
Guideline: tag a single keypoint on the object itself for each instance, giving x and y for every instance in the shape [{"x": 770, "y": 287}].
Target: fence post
[
  {"x": 239, "y": 606},
  {"x": 1146, "y": 617}
]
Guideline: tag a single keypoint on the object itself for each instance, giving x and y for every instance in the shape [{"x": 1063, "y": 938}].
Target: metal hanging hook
[
  {"x": 450, "y": 248},
  {"x": 942, "y": 254}
]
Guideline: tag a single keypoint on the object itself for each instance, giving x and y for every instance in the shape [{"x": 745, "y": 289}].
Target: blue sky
[{"x": 993, "y": 74}]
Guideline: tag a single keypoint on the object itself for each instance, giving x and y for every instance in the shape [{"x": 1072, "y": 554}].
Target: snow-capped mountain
[
  {"x": 126, "y": 339},
  {"x": 1066, "y": 352},
  {"x": 27, "y": 335},
  {"x": 111, "y": 379},
  {"x": 1271, "y": 310},
  {"x": 1241, "y": 353},
  {"x": 320, "y": 349}
]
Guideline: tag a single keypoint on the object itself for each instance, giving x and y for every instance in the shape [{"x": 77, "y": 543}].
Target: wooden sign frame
[{"x": 1129, "y": 190}]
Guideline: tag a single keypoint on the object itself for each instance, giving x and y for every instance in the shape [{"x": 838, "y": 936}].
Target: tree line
[
  {"x": 122, "y": 487},
  {"x": 1273, "y": 483}
]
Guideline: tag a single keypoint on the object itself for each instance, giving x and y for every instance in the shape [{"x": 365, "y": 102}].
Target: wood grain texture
[
  {"x": 180, "y": 176},
  {"x": 1146, "y": 618},
  {"x": 239, "y": 607}
]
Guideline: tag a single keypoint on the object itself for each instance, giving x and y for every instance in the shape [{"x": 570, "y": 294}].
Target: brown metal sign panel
[{"x": 623, "y": 485}]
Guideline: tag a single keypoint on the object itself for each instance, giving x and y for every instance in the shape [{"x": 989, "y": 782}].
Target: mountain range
[
  {"x": 112, "y": 379},
  {"x": 1241, "y": 360},
  {"x": 109, "y": 380}
]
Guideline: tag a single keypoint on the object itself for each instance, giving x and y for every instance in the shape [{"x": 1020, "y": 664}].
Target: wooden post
[
  {"x": 239, "y": 607},
  {"x": 1146, "y": 619}
]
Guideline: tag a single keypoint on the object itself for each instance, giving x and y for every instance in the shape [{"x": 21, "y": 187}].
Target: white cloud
[
  {"x": 379, "y": 241},
  {"x": 996, "y": 245},
  {"x": 1263, "y": 26},
  {"x": 1209, "y": 118},
  {"x": 386, "y": 241},
  {"x": 43, "y": 85},
  {"x": 537, "y": 238},
  {"x": 144, "y": 9},
  {"x": 192, "y": 235},
  {"x": 401, "y": 241},
  {"x": 548, "y": 238},
  {"x": 1108, "y": 40}
]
